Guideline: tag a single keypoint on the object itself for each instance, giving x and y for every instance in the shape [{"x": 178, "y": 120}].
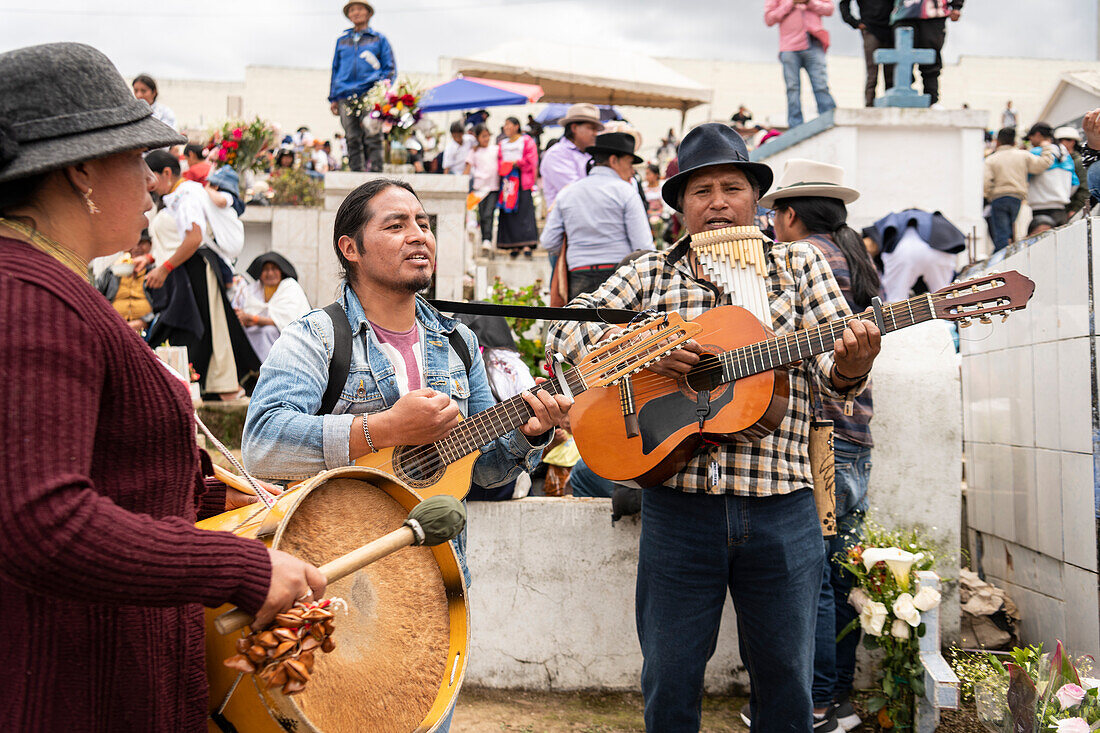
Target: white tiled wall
[{"x": 1029, "y": 396}]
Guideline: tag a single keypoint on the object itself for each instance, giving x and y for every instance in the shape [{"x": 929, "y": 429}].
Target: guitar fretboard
[
  {"x": 500, "y": 419},
  {"x": 782, "y": 350}
]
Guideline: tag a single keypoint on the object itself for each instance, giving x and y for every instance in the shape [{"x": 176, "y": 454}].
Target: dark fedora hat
[
  {"x": 616, "y": 143},
  {"x": 708, "y": 145},
  {"x": 64, "y": 103},
  {"x": 275, "y": 258}
]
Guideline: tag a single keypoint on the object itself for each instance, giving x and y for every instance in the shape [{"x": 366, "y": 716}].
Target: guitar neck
[
  {"x": 783, "y": 350},
  {"x": 500, "y": 419}
]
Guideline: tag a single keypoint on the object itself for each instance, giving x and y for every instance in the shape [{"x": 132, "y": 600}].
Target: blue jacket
[
  {"x": 361, "y": 60},
  {"x": 285, "y": 438}
]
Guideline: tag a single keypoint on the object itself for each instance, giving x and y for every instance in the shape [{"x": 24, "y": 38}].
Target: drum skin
[{"x": 253, "y": 709}]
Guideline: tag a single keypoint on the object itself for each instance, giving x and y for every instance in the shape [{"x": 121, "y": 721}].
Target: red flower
[
  {"x": 391, "y": 98},
  {"x": 232, "y": 144},
  {"x": 222, "y": 154},
  {"x": 409, "y": 100},
  {"x": 238, "y": 133}
]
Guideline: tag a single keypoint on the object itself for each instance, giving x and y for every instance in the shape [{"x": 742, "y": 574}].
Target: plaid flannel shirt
[{"x": 803, "y": 294}]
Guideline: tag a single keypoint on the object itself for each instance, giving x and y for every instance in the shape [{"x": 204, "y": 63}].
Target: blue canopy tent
[
  {"x": 465, "y": 94},
  {"x": 554, "y": 111}
]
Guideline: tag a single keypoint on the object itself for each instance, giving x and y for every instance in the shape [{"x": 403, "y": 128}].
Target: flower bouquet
[
  {"x": 1036, "y": 692},
  {"x": 395, "y": 106},
  {"x": 238, "y": 144},
  {"x": 890, "y": 608}
]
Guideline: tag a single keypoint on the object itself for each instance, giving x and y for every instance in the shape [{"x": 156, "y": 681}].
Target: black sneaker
[
  {"x": 846, "y": 715},
  {"x": 745, "y": 715},
  {"x": 826, "y": 723}
]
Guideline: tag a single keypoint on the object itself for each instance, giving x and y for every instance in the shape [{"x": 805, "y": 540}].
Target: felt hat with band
[
  {"x": 368, "y": 6},
  {"x": 1067, "y": 133},
  {"x": 582, "y": 112},
  {"x": 274, "y": 258},
  {"x": 708, "y": 145},
  {"x": 64, "y": 103},
  {"x": 616, "y": 143},
  {"x": 803, "y": 177}
]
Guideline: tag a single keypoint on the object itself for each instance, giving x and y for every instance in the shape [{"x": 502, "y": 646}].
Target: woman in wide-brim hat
[
  {"x": 103, "y": 574},
  {"x": 810, "y": 202},
  {"x": 271, "y": 302}
]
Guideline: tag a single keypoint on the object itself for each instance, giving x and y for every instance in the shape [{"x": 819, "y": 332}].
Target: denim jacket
[{"x": 284, "y": 438}]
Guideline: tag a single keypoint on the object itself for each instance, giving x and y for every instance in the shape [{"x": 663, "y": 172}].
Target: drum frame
[{"x": 269, "y": 711}]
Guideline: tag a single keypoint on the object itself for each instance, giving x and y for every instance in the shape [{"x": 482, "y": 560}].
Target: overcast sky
[{"x": 214, "y": 39}]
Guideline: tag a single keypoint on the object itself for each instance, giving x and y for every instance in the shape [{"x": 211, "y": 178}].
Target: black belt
[{"x": 595, "y": 267}]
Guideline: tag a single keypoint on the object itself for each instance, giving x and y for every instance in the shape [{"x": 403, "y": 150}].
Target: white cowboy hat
[
  {"x": 809, "y": 178},
  {"x": 582, "y": 112},
  {"x": 367, "y": 5},
  {"x": 1067, "y": 133}
]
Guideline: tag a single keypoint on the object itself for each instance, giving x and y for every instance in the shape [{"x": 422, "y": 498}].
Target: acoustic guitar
[
  {"x": 446, "y": 466},
  {"x": 644, "y": 428}
]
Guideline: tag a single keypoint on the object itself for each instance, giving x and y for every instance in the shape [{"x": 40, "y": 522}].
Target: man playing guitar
[
  {"x": 406, "y": 384},
  {"x": 739, "y": 516}
]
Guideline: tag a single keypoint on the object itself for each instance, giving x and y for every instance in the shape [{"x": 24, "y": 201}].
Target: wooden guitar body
[
  {"x": 666, "y": 409},
  {"x": 420, "y": 468}
]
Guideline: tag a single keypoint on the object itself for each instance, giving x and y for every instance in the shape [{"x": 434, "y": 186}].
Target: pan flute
[{"x": 733, "y": 259}]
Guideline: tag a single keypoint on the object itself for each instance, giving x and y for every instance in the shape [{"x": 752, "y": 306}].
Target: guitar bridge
[{"x": 630, "y": 414}]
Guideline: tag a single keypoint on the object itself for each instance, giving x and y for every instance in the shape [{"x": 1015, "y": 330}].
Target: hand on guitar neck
[
  {"x": 853, "y": 354},
  {"x": 425, "y": 416}
]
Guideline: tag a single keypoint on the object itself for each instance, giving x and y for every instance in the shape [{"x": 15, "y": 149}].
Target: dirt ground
[{"x": 482, "y": 710}]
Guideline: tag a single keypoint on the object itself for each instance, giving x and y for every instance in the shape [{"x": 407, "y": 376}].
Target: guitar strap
[{"x": 539, "y": 313}]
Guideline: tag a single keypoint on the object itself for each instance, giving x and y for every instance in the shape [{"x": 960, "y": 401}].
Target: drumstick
[
  {"x": 431, "y": 522},
  {"x": 231, "y": 479}
]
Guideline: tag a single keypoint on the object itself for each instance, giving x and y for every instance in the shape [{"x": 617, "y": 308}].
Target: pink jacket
[
  {"x": 528, "y": 164},
  {"x": 795, "y": 21}
]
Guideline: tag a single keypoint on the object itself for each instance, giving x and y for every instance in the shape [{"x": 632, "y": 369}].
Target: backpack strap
[
  {"x": 340, "y": 365},
  {"x": 459, "y": 345}
]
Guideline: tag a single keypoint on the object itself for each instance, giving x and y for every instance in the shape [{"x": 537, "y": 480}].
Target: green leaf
[
  {"x": 870, "y": 642},
  {"x": 920, "y": 631},
  {"x": 875, "y": 704},
  {"x": 888, "y": 685},
  {"x": 917, "y": 683}
]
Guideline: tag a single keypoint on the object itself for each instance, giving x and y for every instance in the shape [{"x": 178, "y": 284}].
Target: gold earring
[{"x": 92, "y": 208}]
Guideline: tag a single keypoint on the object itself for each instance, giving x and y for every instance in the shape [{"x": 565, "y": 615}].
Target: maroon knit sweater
[{"x": 103, "y": 574}]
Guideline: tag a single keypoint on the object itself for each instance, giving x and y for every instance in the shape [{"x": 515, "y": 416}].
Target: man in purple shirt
[{"x": 566, "y": 161}]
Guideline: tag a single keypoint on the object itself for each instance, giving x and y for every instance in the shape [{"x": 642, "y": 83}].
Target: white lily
[
  {"x": 899, "y": 629},
  {"x": 906, "y": 611},
  {"x": 872, "y": 618},
  {"x": 899, "y": 561},
  {"x": 926, "y": 599}
]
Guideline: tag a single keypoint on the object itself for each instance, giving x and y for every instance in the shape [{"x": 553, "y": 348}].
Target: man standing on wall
[
  {"x": 363, "y": 58},
  {"x": 874, "y": 23},
  {"x": 928, "y": 19}
]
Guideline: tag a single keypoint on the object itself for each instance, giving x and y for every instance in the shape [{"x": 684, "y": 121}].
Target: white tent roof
[
  {"x": 580, "y": 74},
  {"x": 1077, "y": 93}
]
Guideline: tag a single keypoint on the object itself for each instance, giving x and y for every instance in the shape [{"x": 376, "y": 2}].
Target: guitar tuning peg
[
  {"x": 986, "y": 319},
  {"x": 964, "y": 323},
  {"x": 1004, "y": 317}
]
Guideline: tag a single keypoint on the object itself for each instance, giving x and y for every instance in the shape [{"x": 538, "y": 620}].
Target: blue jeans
[
  {"x": 587, "y": 483},
  {"x": 835, "y": 662},
  {"x": 813, "y": 61},
  {"x": 1093, "y": 180},
  {"x": 767, "y": 552},
  {"x": 1002, "y": 216}
]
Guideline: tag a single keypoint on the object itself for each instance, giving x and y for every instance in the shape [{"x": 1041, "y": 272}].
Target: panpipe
[{"x": 733, "y": 259}]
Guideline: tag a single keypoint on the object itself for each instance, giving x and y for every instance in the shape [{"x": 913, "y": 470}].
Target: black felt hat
[
  {"x": 64, "y": 103},
  {"x": 615, "y": 143},
  {"x": 275, "y": 258},
  {"x": 708, "y": 145}
]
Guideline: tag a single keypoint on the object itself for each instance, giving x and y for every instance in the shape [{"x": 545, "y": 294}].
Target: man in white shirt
[{"x": 458, "y": 149}]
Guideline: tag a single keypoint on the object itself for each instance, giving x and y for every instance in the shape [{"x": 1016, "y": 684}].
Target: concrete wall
[
  {"x": 294, "y": 96},
  {"x": 1030, "y": 423},
  {"x": 898, "y": 159},
  {"x": 553, "y": 593}
]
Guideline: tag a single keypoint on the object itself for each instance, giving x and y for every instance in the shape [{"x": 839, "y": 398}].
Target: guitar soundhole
[
  {"x": 706, "y": 375},
  {"x": 418, "y": 466}
]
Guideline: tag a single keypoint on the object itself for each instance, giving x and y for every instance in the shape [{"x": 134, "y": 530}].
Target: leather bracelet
[
  {"x": 168, "y": 266},
  {"x": 366, "y": 434},
  {"x": 846, "y": 378}
]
